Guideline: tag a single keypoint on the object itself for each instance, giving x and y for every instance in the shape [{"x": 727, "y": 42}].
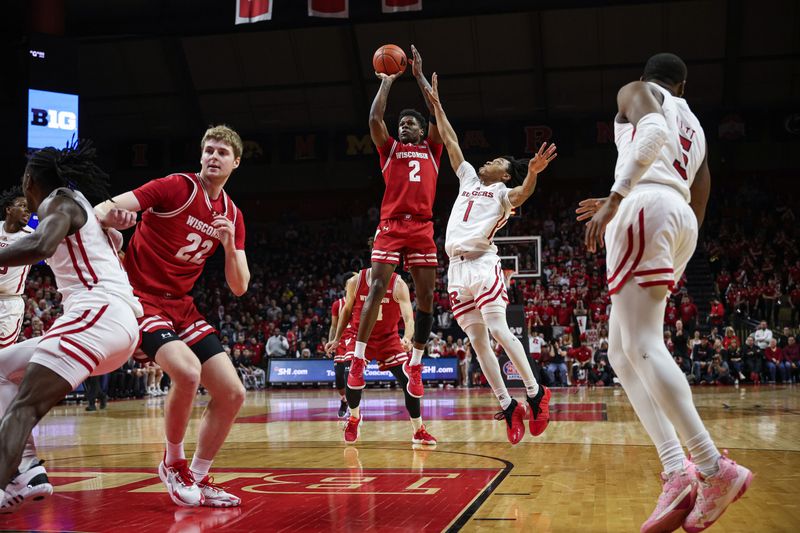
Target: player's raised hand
[
  {"x": 542, "y": 158},
  {"x": 119, "y": 219},
  {"x": 387, "y": 77},
  {"x": 587, "y": 208},
  {"x": 416, "y": 62},
  {"x": 225, "y": 230},
  {"x": 433, "y": 92}
]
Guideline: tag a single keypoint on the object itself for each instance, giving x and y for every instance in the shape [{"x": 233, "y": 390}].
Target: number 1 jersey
[
  {"x": 176, "y": 236},
  {"x": 410, "y": 172}
]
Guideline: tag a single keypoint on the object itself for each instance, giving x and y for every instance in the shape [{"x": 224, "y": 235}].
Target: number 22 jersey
[{"x": 176, "y": 235}]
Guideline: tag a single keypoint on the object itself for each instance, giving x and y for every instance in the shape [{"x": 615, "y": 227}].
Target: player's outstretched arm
[
  {"x": 403, "y": 297},
  {"x": 377, "y": 127},
  {"x": 58, "y": 217},
  {"x": 449, "y": 137},
  {"x": 701, "y": 187},
  {"x": 424, "y": 86},
  {"x": 344, "y": 313},
  {"x": 119, "y": 212},
  {"x": 538, "y": 163}
]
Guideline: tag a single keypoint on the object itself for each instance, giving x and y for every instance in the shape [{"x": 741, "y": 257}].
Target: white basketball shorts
[
  {"x": 651, "y": 238},
  {"x": 476, "y": 286},
  {"x": 96, "y": 334},
  {"x": 12, "y": 309}
]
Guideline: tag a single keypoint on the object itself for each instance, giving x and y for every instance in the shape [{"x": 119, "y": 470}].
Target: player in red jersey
[
  {"x": 385, "y": 345},
  {"x": 340, "y": 361},
  {"x": 185, "y": 218},
  {"x": 410, "y": 169}
]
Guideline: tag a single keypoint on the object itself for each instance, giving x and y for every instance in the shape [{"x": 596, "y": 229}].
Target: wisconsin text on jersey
[
  {"x": 411, "y": 155},
  {"x": 201, "y": 226}
]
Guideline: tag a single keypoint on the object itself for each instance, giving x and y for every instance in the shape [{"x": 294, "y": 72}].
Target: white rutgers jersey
[
  {"x": 12, "y": 279},
  {"x": 86, "y": 261},
  {"x": 680, "y": 157},
  {"x": 478, "y": 213}
]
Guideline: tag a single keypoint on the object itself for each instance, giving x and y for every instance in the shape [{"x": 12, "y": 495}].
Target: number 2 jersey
[
  {"x": 176, "y": 235},
  {"x": 410, "y": 172},
  {"x": 680, "y": 157}
]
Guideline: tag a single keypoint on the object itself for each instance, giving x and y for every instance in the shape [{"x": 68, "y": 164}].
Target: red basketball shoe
[
  {"x": 540, "y": 411},
  {"x": 355, "y": 378},
  {"x": 514, "y": 416},
  {"x": 423, "y": 437},
  {"x": 351, "y": 431},
  {"x": 414, "y": 375}
]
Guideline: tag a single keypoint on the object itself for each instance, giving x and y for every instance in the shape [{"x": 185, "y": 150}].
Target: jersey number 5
[
  {"x": 686, "y": 145},
  {"x": 413, "y": 172},
  {"x": 196, "y": 243}
]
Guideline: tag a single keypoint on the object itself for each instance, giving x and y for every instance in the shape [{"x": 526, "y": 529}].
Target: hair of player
[
  {"x": 7, "y": 198},
  {"x": 665, "y": 67},
  {"x": 517, "y": 169},
  {"x": 226, "y": 134},
  {"x": 423, "y": 124},
  {"x": 74, "y": 167}
]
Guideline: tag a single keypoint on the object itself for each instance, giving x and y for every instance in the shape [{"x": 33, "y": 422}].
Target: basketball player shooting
[
  {"x": 410, "y": 166},
  {"x": 475, "y": 279},
  {"x": 185, "y": 218},
  {"x": 96, "y": 334},
  {"x": 651, "y": 220}
]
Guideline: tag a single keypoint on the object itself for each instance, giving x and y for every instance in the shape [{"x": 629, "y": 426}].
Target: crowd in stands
[{"x": 299, "y": 269}]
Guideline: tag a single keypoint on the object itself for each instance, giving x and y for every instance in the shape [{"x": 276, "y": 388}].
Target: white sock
[
  {"x": 360, "y": 351},
  {"x": 174, "y": 452},
  {"x": 355, "y": 411},
  {"x": 704, "y": 453},
  {"x": 498, "y": 326},
  {"x": 200, "y": 467},
  {"x": 416, "y": 356},
  {"x": 27, "y": 462},
  {"x": 671, "y": 455},
  {"x": 417, "y": 423},
  {"x": 479, "y": 338},
  {"x": 503, "y": 397},
  {"x": 531, "y": 388}
]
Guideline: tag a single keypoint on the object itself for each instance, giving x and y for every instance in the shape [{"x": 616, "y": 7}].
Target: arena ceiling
[{"x": 167, "y": 68}]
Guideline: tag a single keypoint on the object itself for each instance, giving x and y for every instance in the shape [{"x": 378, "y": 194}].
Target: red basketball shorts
[{"x": 407, "y": 238}]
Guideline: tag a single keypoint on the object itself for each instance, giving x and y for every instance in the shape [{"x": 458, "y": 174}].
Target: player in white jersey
[
  {"x": 651, "y": 219},
  {"x": 12, "y": 279},
  {"x": 98, "y": 330},
  {"x": 475, "y": 281}
]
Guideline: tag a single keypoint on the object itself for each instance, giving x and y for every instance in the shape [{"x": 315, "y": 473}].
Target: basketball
[{"x": 389, "y": 59}]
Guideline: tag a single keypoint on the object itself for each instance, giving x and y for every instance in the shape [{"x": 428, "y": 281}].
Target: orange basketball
[{"x": 389, "y": 59}]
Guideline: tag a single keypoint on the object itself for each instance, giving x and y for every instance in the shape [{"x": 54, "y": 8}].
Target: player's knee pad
[{"x": 423, "y": 322}]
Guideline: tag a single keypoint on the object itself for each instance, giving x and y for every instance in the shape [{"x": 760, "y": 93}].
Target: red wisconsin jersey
[
  {"x": 175, "y": 236},
  {"x": 410, "y": 172},
  {"x": 386, "y": 327},
  {"x": 336, "y": 307}
]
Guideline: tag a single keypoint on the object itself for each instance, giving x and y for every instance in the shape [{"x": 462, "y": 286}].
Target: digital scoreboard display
[{"x": 52, "y": 118}]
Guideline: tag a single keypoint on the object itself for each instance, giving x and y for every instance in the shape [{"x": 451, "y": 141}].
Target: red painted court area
[
  {"x": 99, "y": 500},
  {"x": 394, "y": 409}
]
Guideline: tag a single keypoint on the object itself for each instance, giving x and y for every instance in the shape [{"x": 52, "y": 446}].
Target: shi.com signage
[
  {"x": 321, "y": 370},
  {"x": 52, "y": 118}
]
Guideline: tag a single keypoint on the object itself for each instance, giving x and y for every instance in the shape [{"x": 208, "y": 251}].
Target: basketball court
[{"x": 592, "y": 470}]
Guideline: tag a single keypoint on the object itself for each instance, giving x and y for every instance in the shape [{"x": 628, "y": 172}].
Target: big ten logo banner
[{"x": 52, "y": 118}]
